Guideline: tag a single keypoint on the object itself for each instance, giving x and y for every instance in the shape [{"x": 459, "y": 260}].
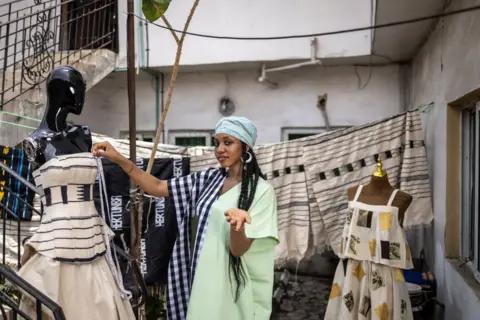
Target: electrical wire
[{"x": 378, "y": 26}]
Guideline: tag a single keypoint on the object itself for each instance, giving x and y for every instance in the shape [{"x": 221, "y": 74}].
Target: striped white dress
[{"x": 66, "y": 257}]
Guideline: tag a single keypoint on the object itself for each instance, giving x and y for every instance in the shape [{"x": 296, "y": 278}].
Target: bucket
[{"x": 417, "y": 299}]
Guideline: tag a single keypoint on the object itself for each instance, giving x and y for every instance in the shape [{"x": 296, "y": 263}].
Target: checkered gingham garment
[{"x": 192, "y": 195}]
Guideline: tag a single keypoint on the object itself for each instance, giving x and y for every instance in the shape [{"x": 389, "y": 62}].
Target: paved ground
[{"x": 306, "y": 299}]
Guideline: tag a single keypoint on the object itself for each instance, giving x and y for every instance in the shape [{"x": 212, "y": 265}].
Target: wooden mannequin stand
[{"x": 379, "y": 190}]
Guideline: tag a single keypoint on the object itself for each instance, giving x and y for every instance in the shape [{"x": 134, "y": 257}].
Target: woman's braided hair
[{"x": 250, "y": 174}]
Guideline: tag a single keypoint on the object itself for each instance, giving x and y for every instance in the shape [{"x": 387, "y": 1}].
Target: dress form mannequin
[
  {"x": 66, "y": 94},
  {"x": 378, "y": 191},
  {"x": 369, "y": 281},
  {"x": 71, "y": 250}
]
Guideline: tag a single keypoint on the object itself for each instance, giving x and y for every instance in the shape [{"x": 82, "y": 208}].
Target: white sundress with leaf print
[{"x": 369, "y": 282}]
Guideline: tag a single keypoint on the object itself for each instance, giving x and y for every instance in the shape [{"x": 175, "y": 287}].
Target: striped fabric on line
[{"x": 311, "y": 176}]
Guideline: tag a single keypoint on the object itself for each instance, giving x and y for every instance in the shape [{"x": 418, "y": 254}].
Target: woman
[{"x": 223, "y": 260}]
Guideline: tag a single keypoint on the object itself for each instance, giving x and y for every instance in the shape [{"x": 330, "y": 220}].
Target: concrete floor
[{"x": 306, "y": 299}]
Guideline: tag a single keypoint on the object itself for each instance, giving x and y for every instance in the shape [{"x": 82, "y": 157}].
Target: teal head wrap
[{"x": 238, "y": 127}]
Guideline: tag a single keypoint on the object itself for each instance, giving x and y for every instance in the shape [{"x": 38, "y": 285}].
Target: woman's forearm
[
  {"x": 147, "y": 182},
  {"x": 239, "y": 243}
]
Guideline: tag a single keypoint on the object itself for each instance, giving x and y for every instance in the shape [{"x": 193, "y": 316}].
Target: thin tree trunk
[
  {"x": 161, "y": 124},
  {"x": 170, "y": 87}
]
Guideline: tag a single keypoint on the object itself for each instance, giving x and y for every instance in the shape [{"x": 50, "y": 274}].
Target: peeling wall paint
[{"x": 446, "y": 68}]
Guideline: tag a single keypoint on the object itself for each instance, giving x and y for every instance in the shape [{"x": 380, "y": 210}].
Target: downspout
[
  {"x": 159, "y": 95},
  {"x": 155, "y": 75},
  {"x": 141, "y": 60},
  {"x": 140, "y": 45},
  {"x": 162, "y": 104}
]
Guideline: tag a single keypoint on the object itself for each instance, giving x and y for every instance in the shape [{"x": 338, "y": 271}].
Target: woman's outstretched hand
[
  {"x": 106, "y": 150},
  {"x": 237, "y": 218}
]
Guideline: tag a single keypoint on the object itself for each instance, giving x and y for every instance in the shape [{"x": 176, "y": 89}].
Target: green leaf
[{"x": 154, "y": 9}]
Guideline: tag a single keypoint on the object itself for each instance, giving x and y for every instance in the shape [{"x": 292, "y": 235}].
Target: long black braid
[{"x": 250, "y": 174}]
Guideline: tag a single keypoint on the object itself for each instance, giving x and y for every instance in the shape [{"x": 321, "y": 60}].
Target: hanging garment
[
  {"x": 369, "y": 282},
  {"x": 311, "y": 177},
  {"x": 69, "y": 257},
  {"x": 16, "y": 160},
  {"x": 159, "y": 220},
  {"x": 118, "y": 195}
]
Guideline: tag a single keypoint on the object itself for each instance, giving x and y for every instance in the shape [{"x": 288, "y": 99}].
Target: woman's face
[{"x": 228, "y": 150}]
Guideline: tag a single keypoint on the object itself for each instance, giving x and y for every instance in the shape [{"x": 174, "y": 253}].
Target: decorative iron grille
[{"x": 38, "y": 35}]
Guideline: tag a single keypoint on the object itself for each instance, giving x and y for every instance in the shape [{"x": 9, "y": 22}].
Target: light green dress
[{"x": 212, "y": 295}]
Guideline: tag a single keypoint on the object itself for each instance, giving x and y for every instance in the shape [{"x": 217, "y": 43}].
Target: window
[
  {"x": 470, "y": 244},
  {"x": 298, "y": 133},
  {"x": 191, "y": 138},
  {"x": 146, "y": 136}
]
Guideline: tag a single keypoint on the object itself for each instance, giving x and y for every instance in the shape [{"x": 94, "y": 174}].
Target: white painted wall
[
  {"x": 293, "y": 104},
  {"x": 251, "y": 18},
  {"x": 455, "y": 47}
]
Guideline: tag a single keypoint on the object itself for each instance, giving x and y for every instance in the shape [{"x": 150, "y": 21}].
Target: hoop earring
[{"x": 249, "y": 157}]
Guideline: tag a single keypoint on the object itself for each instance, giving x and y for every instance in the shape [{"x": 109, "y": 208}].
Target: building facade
[
  {"x": 362, "y": 76},
  {"x": 359, "y": 86}
]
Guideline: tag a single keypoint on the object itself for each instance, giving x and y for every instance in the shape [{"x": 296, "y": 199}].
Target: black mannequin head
[{"x": 66, "y": 94}]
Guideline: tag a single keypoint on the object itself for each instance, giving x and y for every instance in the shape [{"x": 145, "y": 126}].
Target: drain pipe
[
  {"x": 158, "y": 76},
  {"x": 140, "y": 45},
  {"x": 313, "y": 61},
  {"x": 322, "y": 106},
  {"x": 162, "y": 105}
]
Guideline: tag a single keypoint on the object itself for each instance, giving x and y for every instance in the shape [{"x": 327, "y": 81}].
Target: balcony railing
[
  {"x": 42, "y": 302},
  {"x": 38, "y": 35}
]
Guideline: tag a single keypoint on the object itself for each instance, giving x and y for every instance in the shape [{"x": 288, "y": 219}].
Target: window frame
[
  {"x": 470, "y": 211},
  {"x": 207, "y": 134},
  {"x": 287, "y": 131},
  {"x": 140, "y": 135}
]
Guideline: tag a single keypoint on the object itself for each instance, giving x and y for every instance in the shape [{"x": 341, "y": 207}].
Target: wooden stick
[
  {"x": 177, "y": 40},
  {"x": 161, "y": 123},
  {"x": 171, "y": 87}
]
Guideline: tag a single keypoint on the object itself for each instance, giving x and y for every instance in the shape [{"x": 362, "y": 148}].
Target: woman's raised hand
[
  {"x": 106, "y": 150},
  {"x": 237, "y": 218}
]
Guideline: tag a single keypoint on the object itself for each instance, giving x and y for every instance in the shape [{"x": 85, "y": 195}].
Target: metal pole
[{"x": 132, "y": 124}]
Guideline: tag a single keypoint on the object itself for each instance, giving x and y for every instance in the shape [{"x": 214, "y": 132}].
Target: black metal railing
[
  {"x": 41, "y": 300},
  {"x": 35, "y": 38}
]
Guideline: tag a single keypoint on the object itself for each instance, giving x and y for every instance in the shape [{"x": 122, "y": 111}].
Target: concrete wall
[
  {"x": 353, "y": 98},
  {"x": 446, "y": 68},
  {"x": 253, "y": 19}
]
